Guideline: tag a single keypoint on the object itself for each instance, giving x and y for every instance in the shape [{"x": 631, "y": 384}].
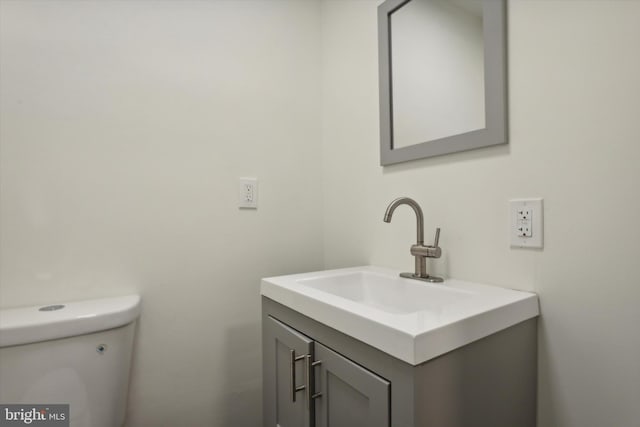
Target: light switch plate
[{"x": 526, "y": 223}]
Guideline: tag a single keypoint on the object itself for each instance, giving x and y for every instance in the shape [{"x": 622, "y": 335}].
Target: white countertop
[{"x": 411, "y": 320}]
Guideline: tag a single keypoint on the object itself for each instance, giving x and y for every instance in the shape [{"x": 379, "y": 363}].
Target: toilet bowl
[{"x": 76, "y": 353}]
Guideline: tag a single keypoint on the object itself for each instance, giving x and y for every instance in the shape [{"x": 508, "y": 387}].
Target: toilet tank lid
[{"x": 25, "y": 325}]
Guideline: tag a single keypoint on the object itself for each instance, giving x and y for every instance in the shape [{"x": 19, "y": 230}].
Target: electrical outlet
[
  {"x": 248, "y": 193},
  {"x": 526, "y": 223}
]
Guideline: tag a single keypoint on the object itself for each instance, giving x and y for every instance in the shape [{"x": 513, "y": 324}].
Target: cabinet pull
[
  {"x": 294, "y": 388},
  {"x": 311, "y": 380}
]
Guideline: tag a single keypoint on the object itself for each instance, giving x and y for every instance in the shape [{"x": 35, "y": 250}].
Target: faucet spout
[{"x": 416, "y": 208}]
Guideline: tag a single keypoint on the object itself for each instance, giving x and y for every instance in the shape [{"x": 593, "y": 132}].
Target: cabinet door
[
  {"x": 351, "y": 396},
  {"x": 284, "y": 358}
]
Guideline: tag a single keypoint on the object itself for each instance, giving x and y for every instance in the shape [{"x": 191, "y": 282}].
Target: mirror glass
[
  {"x": 437, "y": 52},
  {"x": 442, "y": 77}
]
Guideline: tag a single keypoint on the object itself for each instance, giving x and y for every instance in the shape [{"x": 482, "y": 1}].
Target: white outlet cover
[
  {"x": 248, "y": 193},
  {"x": 537, "y": 231}
]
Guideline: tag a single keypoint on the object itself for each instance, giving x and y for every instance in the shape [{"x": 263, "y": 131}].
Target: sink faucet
[{"x": 419, "y": 250}]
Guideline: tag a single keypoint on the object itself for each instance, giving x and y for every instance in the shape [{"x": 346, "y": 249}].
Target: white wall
[
  {"x": 124, "y": 128},
  {"x": 574, "y": 108}
]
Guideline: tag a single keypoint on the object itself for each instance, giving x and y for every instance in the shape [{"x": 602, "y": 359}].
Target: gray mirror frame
[{"x": 495, "y": 87}]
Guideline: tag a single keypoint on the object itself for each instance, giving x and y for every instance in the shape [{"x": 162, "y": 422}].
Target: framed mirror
[{"x": 442, "y": 70}]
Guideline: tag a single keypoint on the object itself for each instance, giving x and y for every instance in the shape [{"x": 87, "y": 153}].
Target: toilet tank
[{"x": 76, "y": 353}]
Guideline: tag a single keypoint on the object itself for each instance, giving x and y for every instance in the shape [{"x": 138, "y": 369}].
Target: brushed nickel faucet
[{"x": 419, "y": 250}]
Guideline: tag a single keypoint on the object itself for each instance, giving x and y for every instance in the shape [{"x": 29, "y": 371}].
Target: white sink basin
[
  {"x": 412, "y": 320},
  {"x": 390, "y": 294}
]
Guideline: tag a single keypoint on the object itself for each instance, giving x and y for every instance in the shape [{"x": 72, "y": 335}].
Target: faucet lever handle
[{"x": 437, "y": 239}]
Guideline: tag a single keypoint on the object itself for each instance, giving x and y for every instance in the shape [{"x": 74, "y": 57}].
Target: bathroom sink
[
  {"x": 391, "y": 294},
  {"x": 412, "y": 320}
]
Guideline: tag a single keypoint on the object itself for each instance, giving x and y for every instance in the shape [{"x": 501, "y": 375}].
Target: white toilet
[{"x": 76, "y": 353}]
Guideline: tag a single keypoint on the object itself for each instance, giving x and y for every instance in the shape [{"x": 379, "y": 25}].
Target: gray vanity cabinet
[
  {"x": 308, "y": 384},
  {"x": 351, "y": 396},
  {"x": 489, "y": 382},
  {"x": 285, "y": 355}
]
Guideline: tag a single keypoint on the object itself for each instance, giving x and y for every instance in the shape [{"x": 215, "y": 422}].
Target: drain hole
[{"x": 51, "y": 307}]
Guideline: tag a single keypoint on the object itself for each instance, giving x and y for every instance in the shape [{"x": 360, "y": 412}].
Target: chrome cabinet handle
[
  {"x": 311, "y": 381},
  {"x": 294, "y": 388}
]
